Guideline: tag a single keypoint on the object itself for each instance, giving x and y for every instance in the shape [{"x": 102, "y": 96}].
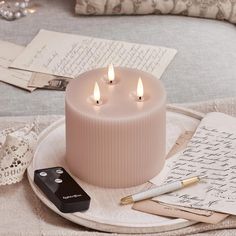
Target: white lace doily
[{"x": 16, "y": 151}]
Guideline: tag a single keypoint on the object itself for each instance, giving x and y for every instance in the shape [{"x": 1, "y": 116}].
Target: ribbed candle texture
[{"x": 120, "y": 143}]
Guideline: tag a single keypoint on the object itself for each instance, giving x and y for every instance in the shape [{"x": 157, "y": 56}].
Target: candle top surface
[{"x": 118, "y": 100}]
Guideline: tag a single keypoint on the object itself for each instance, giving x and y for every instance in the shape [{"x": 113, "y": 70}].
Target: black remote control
[{"x": 61, "y": 189}]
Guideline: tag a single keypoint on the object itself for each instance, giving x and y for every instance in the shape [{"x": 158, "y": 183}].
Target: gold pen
[{"x": 167, "y": 188}]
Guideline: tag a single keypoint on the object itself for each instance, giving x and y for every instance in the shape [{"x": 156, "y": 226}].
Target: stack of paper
[
  {"x": 57, "y": 57},
  {"x": 19, "y": 78},
  {"x": 210, "y": 152}
]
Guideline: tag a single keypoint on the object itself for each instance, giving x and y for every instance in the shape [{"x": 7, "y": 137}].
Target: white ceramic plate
[{"x": 105, "y": 213}]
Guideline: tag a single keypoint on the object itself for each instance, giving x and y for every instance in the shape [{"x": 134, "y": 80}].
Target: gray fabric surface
[{"x": 203, "y": 69}]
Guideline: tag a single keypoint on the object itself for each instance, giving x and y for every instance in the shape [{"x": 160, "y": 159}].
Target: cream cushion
[{"x": 214, "y": 9}]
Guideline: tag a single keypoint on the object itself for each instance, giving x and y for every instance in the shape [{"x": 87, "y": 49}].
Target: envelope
[{"x": 162, "y": 209}]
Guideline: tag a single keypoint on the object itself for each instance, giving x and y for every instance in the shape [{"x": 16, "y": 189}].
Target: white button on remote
[
  {"x": 43, "y": 174},
  {"x": 58, "y": 181},
  {"x": 59, "y": 171}
]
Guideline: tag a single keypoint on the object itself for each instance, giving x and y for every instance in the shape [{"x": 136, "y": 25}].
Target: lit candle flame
[
  {"x": 111, "y": 73},
  {"x": 96, "y": 93},
  {"x": 140, "y": 89}
]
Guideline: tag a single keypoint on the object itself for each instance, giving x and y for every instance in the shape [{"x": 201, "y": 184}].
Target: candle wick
[
  {"x": 140, "y": 98},
  {"x": 110, "y": 81},
  {"x": 97, "y": 102}
]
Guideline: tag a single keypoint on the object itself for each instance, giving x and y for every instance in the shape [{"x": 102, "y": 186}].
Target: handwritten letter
[
  {"x": 70, "y": 55},
  {"x": 211, "y": 152},
  {"x": 19, "y": 78}
]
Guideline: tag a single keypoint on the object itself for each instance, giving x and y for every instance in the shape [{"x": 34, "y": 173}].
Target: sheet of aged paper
[
  {"x": 211, "y": 152},
  {"x": 19, "y": 78},
  {"x": 162, "y": 209},
  {"x": 70, "y": 55}
]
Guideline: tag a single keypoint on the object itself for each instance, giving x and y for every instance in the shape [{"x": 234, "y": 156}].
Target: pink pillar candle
[{"x": 121, "y": 141}]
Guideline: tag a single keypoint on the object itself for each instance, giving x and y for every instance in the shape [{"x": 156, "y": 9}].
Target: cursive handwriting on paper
[
  {"x": 211, "y": 152},
  {"x": 70, "y": 55}
]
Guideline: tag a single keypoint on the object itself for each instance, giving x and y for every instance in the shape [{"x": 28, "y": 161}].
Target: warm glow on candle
[
  {"x": 140, "y": 89},
  {"x": 96, "y": 93},
  {"x": 111, "y": 73}
]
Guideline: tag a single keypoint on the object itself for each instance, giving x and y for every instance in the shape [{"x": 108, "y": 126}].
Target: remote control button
[
  {"x": 58, "y": 181},
  {"x": 43, "y": 174},
  {"x": 59, "y": 171}
]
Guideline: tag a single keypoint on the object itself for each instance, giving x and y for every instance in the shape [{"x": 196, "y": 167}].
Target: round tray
[{"x": 105, "y": 213}]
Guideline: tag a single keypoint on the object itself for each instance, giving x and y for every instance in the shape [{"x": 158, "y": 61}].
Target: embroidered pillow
[{"x": 214, "y": 9}]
